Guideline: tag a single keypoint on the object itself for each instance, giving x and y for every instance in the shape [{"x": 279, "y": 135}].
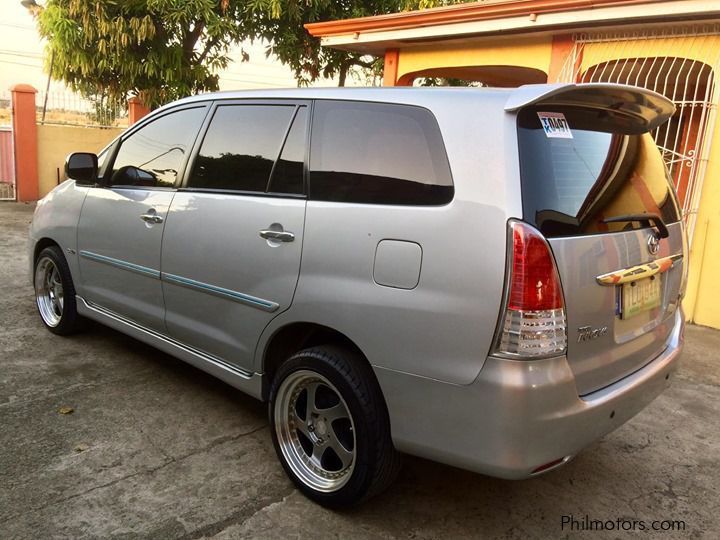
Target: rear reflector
[
  {"x": 552, "y": 464},
  {"x": 533, "y": 324}
]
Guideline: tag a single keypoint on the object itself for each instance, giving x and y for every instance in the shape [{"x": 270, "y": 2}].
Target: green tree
[
  {"x": 157, "y": 49},
  {"x": 164, "y": 49},
  {"x": 280, "y": 23}
]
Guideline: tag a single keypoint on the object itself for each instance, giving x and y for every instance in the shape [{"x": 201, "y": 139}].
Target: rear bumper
[{"x": 517, "y": 415}]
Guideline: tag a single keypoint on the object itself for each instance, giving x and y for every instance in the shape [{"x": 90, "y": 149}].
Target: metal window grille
[{"x": 680, "y": 63}]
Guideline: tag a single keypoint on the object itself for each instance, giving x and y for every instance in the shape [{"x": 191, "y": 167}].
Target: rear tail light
[{"x": 533, "y": 321}]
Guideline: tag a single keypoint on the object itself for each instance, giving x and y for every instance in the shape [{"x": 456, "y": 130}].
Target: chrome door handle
[
  {"x": 151, "y": 218},
  {"x": 279, "y": 236}
]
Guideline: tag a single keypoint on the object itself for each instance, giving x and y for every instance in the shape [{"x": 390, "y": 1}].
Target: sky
[{"x": 22, "y": 51}]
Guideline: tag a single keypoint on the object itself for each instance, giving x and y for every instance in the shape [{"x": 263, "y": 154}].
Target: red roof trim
[{"x": 460, "y": 13}]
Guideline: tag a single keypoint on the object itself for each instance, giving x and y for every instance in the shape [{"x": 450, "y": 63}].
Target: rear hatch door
[{"x": 594, "y": 183}]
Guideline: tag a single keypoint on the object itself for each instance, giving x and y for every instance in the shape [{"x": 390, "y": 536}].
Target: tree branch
[
  {"x": 191, "y": 38},
  {"x": 209, "y": 45}
]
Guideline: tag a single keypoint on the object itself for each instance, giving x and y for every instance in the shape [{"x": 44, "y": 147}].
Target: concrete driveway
[{"x": 155, "y": 448}]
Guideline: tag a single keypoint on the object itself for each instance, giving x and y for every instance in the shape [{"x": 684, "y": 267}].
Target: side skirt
[{"x": 245, "y": 381}]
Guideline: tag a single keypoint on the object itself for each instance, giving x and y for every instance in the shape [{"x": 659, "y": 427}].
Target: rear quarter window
[
  {"x": 377, "y": 153},
  {"x": 591, "y": 171}
]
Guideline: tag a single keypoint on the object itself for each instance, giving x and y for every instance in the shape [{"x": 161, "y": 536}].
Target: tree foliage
[
  {"x": 158, "y": 49},
  {"x": 165, "y": 49},
  {"x": 280, "y": 23}
]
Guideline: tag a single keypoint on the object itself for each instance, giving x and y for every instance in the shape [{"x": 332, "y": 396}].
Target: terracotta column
[
  {"x": 562, "y": 47},
  {"x": 136, "y": 110},
  {"x": 390, "y": 69},
  {"x": 25, "y": 142}
]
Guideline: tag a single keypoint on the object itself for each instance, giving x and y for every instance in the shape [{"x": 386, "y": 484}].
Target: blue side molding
[
  {"x": 144, "y": 270},
  {"x": 253, "y": 301}
]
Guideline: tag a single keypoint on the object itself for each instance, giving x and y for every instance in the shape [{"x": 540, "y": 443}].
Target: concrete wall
[
  {"x": 56, "y": 142},
  {"x": 702, "y": 302},
  {"x": 526, "y": 51}
]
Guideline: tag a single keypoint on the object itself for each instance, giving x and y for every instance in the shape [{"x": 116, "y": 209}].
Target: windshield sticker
[{"x": 555, "y": 125}]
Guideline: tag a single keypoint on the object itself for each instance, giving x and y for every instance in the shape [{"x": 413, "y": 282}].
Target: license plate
[{"x": 641, "y": 295}]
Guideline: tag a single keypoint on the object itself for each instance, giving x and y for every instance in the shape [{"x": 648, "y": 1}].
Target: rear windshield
[{"x": 580, "y": 167}]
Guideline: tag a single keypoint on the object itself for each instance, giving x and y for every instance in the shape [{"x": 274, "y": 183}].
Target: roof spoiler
[{"x": 646, "y": 108}]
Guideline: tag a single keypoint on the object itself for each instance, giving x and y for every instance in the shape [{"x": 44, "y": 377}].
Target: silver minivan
[{"x": 489, "y": 278}]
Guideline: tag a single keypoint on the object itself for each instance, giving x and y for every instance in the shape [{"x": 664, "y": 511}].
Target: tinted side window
[
  {"x": 152, "y": 156},
  {"x": 377, "y": 153},
  {"x": 240, "y": 147}
]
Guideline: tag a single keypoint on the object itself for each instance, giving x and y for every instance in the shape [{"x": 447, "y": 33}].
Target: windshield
[{"x": 578, "y": 168}]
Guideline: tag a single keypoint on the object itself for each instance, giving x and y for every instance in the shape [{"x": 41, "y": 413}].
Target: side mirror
[{"x": 82, "y": 167}]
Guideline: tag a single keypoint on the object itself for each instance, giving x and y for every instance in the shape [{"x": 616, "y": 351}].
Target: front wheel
[
  {"x": 55, "y": 292},
  {"x": 330, "y": 426}
]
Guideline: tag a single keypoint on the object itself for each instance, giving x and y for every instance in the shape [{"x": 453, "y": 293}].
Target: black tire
[
  {"x": 68, "y": 321},
  {"x": 375, "y": 460}
]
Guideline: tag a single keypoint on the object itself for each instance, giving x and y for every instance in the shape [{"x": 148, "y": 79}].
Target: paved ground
[{"x": 157, "y": 449}]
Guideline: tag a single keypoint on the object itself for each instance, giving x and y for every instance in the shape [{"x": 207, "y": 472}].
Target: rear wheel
[
  {"x": 55, "y": 292},
  {"x": 330, "y": 426}
]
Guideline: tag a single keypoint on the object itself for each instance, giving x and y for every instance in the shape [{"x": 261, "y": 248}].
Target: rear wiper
[{"x": 648, "y": 220}]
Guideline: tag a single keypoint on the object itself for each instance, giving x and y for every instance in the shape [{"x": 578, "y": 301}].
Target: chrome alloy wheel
[
  {"x": 315, "y": 431},
  {"x": 49, "y": 291}
]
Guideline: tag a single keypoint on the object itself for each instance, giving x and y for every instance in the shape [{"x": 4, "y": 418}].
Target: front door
[
  {"x": 122, "y": 221},
  {"x": 232, "y": 245}
]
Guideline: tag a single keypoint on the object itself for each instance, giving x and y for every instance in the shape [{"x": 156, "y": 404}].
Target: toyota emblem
[{"x": 653, "y": 243}]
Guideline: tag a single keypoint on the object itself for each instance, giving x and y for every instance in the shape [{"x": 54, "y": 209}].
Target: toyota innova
[{"x": 488, "y": 278}]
